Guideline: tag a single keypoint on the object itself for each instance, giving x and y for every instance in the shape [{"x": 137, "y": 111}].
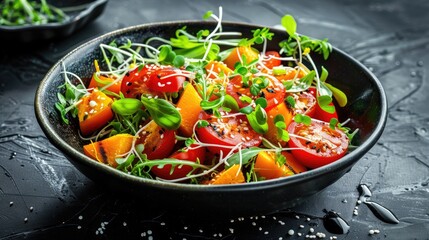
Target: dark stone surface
[{"x": 390, "y": 37}]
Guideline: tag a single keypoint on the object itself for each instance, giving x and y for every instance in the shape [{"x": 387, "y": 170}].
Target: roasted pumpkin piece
[
  {"x": 236, "y": 55},
  {"x": 189, "y": 108},
  {"x": 107, "y": 150},
  {"x": 94, "y": 112},
  {"x": 267, "y": 167},
  {"x": 231, "y": 175}
]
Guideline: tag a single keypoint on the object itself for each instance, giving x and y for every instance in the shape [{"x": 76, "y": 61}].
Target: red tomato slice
[
  {"x": 134, "y": 84},
  {"x": 319, "y": 144},
  {"x": 271, "y": 60},
  {"x": 152, "y": 79},
  {"x": 180, "y": 171},
  {"x": 321, "y": 114},
  {"x": 228, "y": 131},
  {"x": 274, "y": 93},
  {"x": 305, "y": 103},
  {"x": 158, "y": 142},
  {"x": 166, "y": 79}
]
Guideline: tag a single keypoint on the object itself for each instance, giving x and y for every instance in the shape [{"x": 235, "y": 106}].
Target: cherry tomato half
[
  {"x": 305, "y": 103},
  {"x": 158, "y": 142},
  {"x": 166, "y": 79},
  {"x": 151, "y": 79},
  {"x": 227, "y": 131},
  {"x": 272, "y": 59},
  {"x": 318, "y": 143},
  {"x": 180, "y": 171},
  {"x": 274, "y": 93}
]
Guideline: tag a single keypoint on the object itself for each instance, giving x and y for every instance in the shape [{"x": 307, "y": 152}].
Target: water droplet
[
  {"x": 12, "y": 155},
  {"x": 364, "y": 192},
  {"x": 382, "y": 213},
  {"x": 420, "y": 63},
  {"x": 413, "y": 73},
  {"x": 334, "y": 223}
]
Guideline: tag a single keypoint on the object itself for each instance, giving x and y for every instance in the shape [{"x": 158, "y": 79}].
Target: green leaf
[
  {"x": 163, "y": 112},
  {"x": 304, "y": 83},
  {"x": 246, "y": 155},
  {"x": 333, "y": 123},
  {"x": 324, "y": 74},
  {"x": 207, "y": 15},
  {"x": 289, "y": 23},
  {"x": 202, "y": 123},
  {"x": 262, "y": 102},
  {"x": 324, "y": 103},
  {"x": 179, "y": 61},
  {"x": 339, "y": 95},
  {"x": 246, "y": 110},
  {"x": 206, "y": 105},
  {"x": 299, "y": 118},
  {"x": 126, "y": 106},
  {"x": 230, "y": 103},
  {"x": 258, "y": 120}
]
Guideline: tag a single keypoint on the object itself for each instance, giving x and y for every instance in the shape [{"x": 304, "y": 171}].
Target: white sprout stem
[
  {"x": 121, "y": 51},
  {"x": 218, "y": 25},
  {"x": 146, "y": 46},
  {"x": 227, "y": 34},
  {"x": 65, "y": 72},
  {"x": 345, "y": 122},
  {"x": 299, "y": 48},
  {"x": 315, "y": 70},
  {"x": 208, "y": 49}
]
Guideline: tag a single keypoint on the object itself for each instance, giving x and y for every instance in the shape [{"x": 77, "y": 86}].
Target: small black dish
[
  {"x": 80, "y": 13},
  {"x": 366, "y": 108}
]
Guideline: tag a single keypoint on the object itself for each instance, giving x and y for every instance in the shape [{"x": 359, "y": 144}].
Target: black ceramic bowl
[
  {"x": 79, "y": 12},
  {"x": 366, "y": 108}
]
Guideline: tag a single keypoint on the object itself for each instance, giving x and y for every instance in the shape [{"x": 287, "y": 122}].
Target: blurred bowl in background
[{"x": 79, "y": 12}]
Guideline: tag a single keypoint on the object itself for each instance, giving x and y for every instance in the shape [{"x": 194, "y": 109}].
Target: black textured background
[{"x": 42, "y": 196}]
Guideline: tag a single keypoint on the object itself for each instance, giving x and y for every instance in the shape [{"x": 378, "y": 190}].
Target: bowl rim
[{"x": 346, "y": 161}]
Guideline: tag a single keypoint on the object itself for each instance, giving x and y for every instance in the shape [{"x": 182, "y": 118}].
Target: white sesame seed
[
  {"x": 81, "y": 217},
  {"x": 253, "y": 223},
  {"x": 301, "y": 226},
  {"x": 359, "y": 201},
  {"x": 11, "y": 204},
  {"x": 299, "y": 234},
  {"x": 162, "y": 224},
  {"x": 124, "y": 223},
  {"x": 25, "y": 220},
  {"x": 31, "y": 209},
  {"x": 149, "y": 232},
  {"x": 376, "y": 231},
  {"x": 296, "y": 216},
  {"x": 308, "y": 219},
  {"x": 92, "y": 103},
  {"x": 291, "y": 232},
  {"x": 79, "y": 227},
  {"x": 266, "y": 232},
  {"x": 311, "y": 230},
  {"x": 371, "y": 232}
]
